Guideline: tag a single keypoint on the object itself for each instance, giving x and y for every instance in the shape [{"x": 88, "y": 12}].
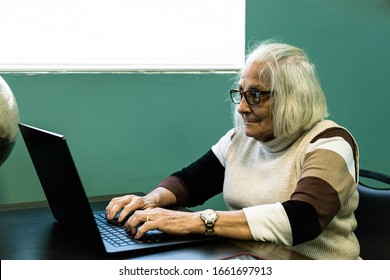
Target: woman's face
[{"x": 258, "y": 119}]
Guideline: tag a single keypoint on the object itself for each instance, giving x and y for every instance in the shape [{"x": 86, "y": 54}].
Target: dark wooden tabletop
[{"x": 29, "y": 232}]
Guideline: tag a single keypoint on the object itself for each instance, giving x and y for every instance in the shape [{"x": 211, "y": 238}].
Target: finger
[
  {"x": 109, "y": 208},
  {"x": 136, "y": 203},
  {"x": 127, "y": 211},
  {"x": 110, "y": 205},
  {"x": 133, "y": 223},
  {"x": 116, "y": 204},
  {"x": 144, "y": 228}
]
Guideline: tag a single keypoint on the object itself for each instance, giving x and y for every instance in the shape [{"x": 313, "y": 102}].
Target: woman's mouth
[{"x": 250, "y": 121}]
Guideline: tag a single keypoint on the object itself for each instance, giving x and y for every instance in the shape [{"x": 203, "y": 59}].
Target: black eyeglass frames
[{"x": 252, "y": 97}]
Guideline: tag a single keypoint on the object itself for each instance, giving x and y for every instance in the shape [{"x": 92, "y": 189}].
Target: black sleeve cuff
[{"x": 303, "y": 220}]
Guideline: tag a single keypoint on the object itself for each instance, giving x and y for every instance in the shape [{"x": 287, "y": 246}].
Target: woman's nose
[{"x": 243, "y": 107}]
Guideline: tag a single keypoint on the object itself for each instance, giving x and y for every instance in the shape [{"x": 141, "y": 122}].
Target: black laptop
[{"x": 68, "y": 201}]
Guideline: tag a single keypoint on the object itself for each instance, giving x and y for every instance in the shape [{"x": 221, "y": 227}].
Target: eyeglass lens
[{"x": 252, "y": 97}]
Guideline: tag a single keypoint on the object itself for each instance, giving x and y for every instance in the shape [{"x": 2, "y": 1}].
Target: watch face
[
  {"x": 209, "y": 214},
  {"x": 209, "y": 217}
]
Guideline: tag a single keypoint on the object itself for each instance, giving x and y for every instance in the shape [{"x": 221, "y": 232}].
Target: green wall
[
  {"x": 126, "y": 131},
  {"x": 129, "y": 131}
]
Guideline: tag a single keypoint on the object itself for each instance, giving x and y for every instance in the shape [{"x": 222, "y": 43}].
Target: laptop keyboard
[{"x": 116, "y": 234}]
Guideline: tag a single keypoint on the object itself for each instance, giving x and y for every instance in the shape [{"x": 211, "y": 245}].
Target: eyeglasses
[{"x": 252, "y": 97}]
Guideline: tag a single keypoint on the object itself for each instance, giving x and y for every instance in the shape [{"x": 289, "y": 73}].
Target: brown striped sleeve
[{"x": 328, "y": 176}]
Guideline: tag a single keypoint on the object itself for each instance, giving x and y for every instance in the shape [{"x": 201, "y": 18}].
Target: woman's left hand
[{"x": 168, "y": 221}]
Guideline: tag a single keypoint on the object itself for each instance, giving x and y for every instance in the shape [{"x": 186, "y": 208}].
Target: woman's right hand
[{"x": 128, "y": 204}]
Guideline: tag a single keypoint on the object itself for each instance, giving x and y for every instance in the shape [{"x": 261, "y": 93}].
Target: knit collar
[{"x": 280, "y": 143}]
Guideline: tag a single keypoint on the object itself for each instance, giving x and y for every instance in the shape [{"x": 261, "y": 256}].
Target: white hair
[{"x": 299, "y": 100}]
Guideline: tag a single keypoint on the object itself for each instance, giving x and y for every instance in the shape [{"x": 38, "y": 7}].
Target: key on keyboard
[{"x": 114, "y": 233}]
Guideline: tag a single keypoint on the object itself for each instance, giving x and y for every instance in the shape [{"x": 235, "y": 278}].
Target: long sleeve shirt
[{"x": 298, "y": 190}]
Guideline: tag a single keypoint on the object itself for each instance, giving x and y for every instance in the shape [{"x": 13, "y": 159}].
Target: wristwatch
[{"x": 209, "y": 217}]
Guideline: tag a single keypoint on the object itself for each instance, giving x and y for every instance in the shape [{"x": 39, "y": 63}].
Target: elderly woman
[{"x": 287, "y": 175}]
